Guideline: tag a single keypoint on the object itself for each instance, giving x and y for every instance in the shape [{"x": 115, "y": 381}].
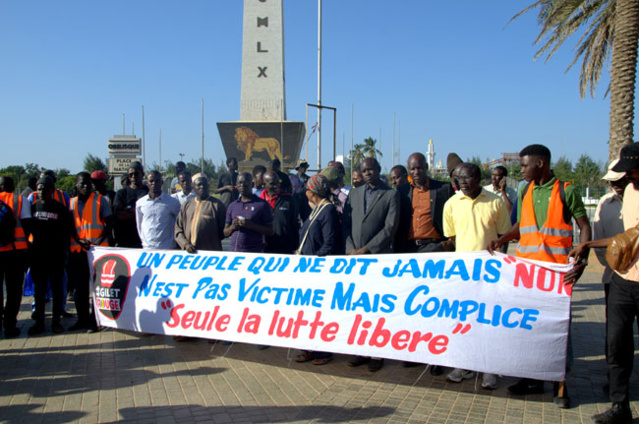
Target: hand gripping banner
[{"x": 497, "y": 314}]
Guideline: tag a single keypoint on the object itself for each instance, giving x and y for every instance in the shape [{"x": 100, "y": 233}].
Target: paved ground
[{"x": 117, "y": 376}]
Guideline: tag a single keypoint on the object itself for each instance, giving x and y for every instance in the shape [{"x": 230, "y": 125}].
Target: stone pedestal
[{"x": 258, "y": 143}]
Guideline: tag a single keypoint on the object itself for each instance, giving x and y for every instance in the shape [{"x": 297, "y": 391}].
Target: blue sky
[{"x": 454, "y": 72}]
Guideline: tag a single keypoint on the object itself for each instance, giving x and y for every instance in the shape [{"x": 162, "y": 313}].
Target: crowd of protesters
[{"x": 270, "y": 211}]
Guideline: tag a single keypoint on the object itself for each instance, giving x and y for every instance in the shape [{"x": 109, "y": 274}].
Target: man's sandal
[
  {"x": 305, "y": 356},
  {"x": 322, "y": 361}
]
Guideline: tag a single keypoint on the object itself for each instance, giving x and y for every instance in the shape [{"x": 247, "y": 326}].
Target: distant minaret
[{"x": 430, "y": 155}]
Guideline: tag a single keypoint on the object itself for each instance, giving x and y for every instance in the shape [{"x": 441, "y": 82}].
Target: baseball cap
[
  {"x": 628, "y": 158},
  {"x": 98, "y": 175},
  {"x": 612, "y": 175}
]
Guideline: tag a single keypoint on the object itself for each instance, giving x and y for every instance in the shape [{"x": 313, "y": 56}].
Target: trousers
[
  {"x": 623, "y": 307},
  {"x": 12, "y": 269}
]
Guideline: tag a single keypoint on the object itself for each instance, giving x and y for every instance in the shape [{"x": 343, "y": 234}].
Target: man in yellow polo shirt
[{"x": 472, "y": 219}]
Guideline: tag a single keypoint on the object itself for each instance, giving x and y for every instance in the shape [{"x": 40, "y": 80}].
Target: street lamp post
[{"x": 319, "y": 141}]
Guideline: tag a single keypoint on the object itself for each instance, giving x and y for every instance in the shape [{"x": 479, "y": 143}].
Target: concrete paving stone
[{"x": 42, "y": 373}]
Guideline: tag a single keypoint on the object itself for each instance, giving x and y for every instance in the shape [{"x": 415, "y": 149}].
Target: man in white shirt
[
  {"x": 507, "y": 194},
  {"x": 607, "y": 221},
  {"x": 186, "y": 191},
  {"x": 155, "y": 215}
]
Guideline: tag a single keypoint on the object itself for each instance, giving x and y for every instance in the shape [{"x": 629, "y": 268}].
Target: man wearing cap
[
  {"x": 608, "y": 221},
  {"x": 200, "y": 223},
  {"x": 60, "y": 196},
  {"x": 13, "y": 258},
  {"x": 52, "y": 228},
  {"x": 185, "y": 193},
  {"x": 99, "y": 179},
  {"x": 298, "y": 181},
  {"x": 623, "y": 298},
  {"x": 155, "y": 215}
]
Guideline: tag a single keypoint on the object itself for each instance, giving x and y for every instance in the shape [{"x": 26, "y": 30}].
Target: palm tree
[
  {"x": 357, "y": 155},
  {"x": 623, "y": 75},
  {"x": 611, "y": 28},
  {"x": 369, "y": 148}
]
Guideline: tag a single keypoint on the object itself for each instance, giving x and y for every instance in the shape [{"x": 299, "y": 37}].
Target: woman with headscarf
[{"x": 319, "y": 236}]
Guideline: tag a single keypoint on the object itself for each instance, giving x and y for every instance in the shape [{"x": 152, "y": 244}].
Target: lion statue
[{"x": 249, "y": 142}]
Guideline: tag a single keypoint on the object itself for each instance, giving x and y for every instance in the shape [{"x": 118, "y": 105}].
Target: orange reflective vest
[
  {"x": 90, "y": 225},
  {"x": 58, "y": 196},
  {"x": 20, "y": 239},
  {"x": 553, "y": 241}
]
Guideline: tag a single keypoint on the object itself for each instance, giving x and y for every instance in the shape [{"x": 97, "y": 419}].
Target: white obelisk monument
[
  {"x": 262, "y": 133},
  {"x": 263, "y": 96}
]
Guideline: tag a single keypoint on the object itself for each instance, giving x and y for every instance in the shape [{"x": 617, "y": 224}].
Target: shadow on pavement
[
  {"x": 25, "y": 414},
  {"x": 257, "y": 414}
]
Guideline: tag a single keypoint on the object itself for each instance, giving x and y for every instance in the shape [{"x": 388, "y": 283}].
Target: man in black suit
[
  {"x": 371, "y": 217},
  {"x": 399, "y": 181},
  {"x": 426, "y": 232}
]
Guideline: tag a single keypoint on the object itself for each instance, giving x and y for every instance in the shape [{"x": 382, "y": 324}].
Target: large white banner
[{"x": 496, "y": 314}]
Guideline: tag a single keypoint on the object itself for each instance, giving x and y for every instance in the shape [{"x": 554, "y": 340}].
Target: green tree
[
  {"x": 607, "y": 28},
  {"x": 66, "y": 183},
  {"x": 357, "y": 155},
  {"x": 587, "y": 171},
  {"x": 32, "y": 170},
  {"x": 13, "y": 171},
  {"x": 94, "y": 163},
  {"x": 485, "y": 171},
  {"x": 61, "y": 173},
  {"x": 209, "y": 168},
  {"x": 562, "y": 169}
]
